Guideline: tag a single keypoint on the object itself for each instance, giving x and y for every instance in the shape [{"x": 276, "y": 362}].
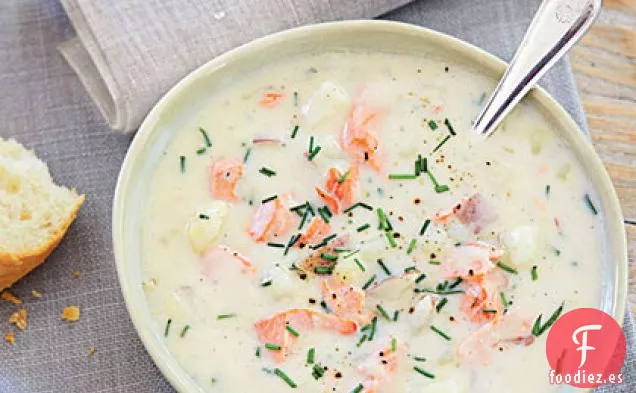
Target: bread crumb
[
  {"x": 10, "y": 338},
  {"x": 36, "y": 294},
  {"x": 91, "y": 351},
  {"x": 20, "y": 319},
  {"x": 71, "y": 314},
  {"x": 11, "y": 298},
  {"x": 77, "y": 274}
]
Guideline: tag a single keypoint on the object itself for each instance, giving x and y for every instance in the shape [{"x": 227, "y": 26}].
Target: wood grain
[{"x": 604, "y": 64}]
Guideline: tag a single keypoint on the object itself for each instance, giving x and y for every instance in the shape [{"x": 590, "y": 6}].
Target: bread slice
[{"x": 34, "y": 212}]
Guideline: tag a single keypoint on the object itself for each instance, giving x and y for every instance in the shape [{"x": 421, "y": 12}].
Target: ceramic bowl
[{"x": 185, "y": 98}]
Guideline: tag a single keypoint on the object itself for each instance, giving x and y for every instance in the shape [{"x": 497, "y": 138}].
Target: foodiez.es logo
[{"x": 585, "y": 349}]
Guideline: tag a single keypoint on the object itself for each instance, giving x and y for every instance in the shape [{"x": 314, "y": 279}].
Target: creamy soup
[{"x": 330, "y": 224}]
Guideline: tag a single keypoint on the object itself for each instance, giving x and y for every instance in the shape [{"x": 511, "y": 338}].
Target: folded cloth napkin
[
  {"x": 128, "y": 54},
  {"x": 43, "y": 104}
]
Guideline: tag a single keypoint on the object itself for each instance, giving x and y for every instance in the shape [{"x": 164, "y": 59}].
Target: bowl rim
[{"x": 167, "y": 364}]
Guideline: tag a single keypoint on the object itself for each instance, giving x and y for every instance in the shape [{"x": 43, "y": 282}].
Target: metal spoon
[{"x": 556, "y": 27}]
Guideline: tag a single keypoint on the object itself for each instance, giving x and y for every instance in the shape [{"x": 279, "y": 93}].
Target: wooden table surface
[{"x": 604, "y": 64}]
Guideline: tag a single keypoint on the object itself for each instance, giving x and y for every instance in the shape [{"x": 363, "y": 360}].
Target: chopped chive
[
  {"x": 299, "y": 207},
  {"x": 434, "y": 262},
  {"x": 311, "y": 143},
  {"x": 276, "y": 245},
  {"x": 402, "y": 176},
  {"x": 538, "y": 330},
  {"x": 225, "y": 316},
  {"x": 411, "y": 246},
  {"x": 410, "y": 269},
  {"x": 557, "y": 252},
  {"x": 383, "y": 312},
  {"x": 258, "y": 352},
  {"x": 384, "y": 221},
  {"x": 432, "y": 124},
  {"x": 292, "y": 330},
  {"x": 351, "y": 254},
  {"x": 269, "y": 199},
  {"x": 590, "y": 205},
  {"x": 323, "y": 270},
  {"x": 267, "y": 172},
  {"x": 206, "y": 138},
  {"x": 273, "y": 347},
  {"x": 365, "y": 327},
  {"x": 201, "y": 151},
  {"x": 343, "y": 177},
  {"x": 439, "y": 145},
  {"x": 419, "y": 359},
  {"x": 441, "y": 304},
  {"x": 439, "y": 291},
  {"x": 184, "y": 331},
  {"x": 450, "y": 127},
  {"x": 167, "y": 328},
  {"x": 504, "y": 301},
  {"x": 323, "y": 215},
  {"x": 327, "y": 211},
  {"x": 285, "y": 378},
  {"x": 441, "y": 333},
  {"x": 317, "y": 371},
  {"x": 291, "y": 242},
  {"x": 362, "y": 340},
  {"x": 329, "y": 257},
  {"x": 203, "y": 216},
  {"x": 433, "y": 179},
  {"x": 393, "y": 344},
  {"x": 363, "y": 227},
  {"x": 416, "y": 166},
  {"x": 507, "y": 268},
  {"x": 547, "y": 190},
  {"x": 212, "y": 381},
  {"x": 455, "y": 283},
  {"x": 247, "y": 154},
  {"x": 384, "y": 267},
  {"x": 424, "y": 165},
  {"x": 424, "y": 372},
  {"x": 340, "y": 250},
  {"x": 374, "y": 326},
  {"x": 357, "y": 204},
  {"x": 440, "y": 188},
  {"x": 489, "y": 311},
  {"x": 324, "y": 241},
  {"x": 304, "y": 219},
  {"x": 369, "y": 282},
  {"x": 314, "y": 153},
  {"x": 425, "y": 226},
  {"x": 396, "y": 314},
  {"x": 311, "y": 354},
  {"x": 266, "y": 283},
  {"x": 296, "y": 98},
  {"x": 534, "y": 273},
  {"x": 358, "y": 388},
  {"x": 360, "y": 265},
  {"x": 294, "y": 131},
  {"x": 389, "y": 237},
  {"x": 182, "y": 163},
  {"x": 420, "y": 278}
]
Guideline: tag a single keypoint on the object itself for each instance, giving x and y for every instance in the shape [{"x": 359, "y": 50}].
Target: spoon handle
[{"x": 556, "y": 27}]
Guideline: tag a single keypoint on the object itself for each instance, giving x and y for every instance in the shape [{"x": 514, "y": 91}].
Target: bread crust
[{"x": 15, "y": 266}]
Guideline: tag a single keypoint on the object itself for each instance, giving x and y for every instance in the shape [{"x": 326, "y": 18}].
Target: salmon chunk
[
  {"x": 474, "y": 212},
  {"x": 273, "y": 330},
  {"x": 470, "y": 259},
  {"x": 359, "y": 135},
  {"x": 342, "y": 187},
  {"x": 345, "y": 300},
  {"x": 224, "y": 175},
  {"x": 223, "y": 254},
  {"x": 270, "y": 99},
  {"x": 317, "y": 230},
  {"x": 380, "y": 366},
  {"x": 271, "y": 220}
]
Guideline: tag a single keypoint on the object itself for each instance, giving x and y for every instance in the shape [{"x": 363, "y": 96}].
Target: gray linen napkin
[
  {"x": 44, "y": 105},
  {"x": 129, "y": 54}
]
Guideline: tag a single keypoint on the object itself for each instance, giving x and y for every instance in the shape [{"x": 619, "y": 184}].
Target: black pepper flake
[
  {"x": 446, "y": 69},
  {"x": 417, "y": 201},
  {"x": 312, "y": 301}
]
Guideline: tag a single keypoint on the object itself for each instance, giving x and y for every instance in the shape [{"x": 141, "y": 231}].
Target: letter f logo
[{"x": 583, "y": 344}]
